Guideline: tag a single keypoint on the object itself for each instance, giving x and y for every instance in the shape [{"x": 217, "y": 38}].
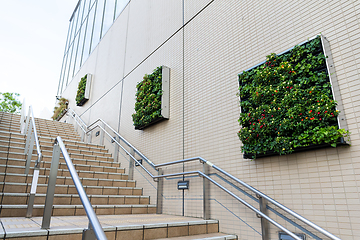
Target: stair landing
[{"x": 116, "y": 227}]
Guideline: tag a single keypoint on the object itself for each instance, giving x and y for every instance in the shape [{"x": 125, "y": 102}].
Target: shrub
[{"x": 61, "y": 109}]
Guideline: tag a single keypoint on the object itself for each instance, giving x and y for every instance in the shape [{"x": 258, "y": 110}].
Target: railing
[
  {"x": 263, "y": 199},
  {"x": 31, "y": 137},
  {"x": 94, "y": 224}
]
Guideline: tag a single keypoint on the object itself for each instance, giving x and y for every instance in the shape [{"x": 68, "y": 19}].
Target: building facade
[{"x": 206, "y": 43}]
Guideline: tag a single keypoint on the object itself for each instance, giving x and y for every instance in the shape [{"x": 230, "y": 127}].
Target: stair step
[
  {"x": 9, "y": 187},
  {"x": 10, "y": 140},
  {"x": 11, "y": 135},
  {"x": 50, "y": 140},
  {"x": 80, "y": 164},
  {"x": 210, "y": 236},
  {"x": 65, "y": 138},
  {"x": 18, "y": 153},
  {"x": 93, "y": 151},
  {"x": 12, "y": 143},
  {"x": 10, "y": 128},
  {"x": 77, "y": 210},
  {"x": 73, "y": 199},
  {"x": 116, "y": 227},
  {"x": 65, "y": 172},
  {"x": 63, "y": 180},
  {"x": 68, "y": 145}
]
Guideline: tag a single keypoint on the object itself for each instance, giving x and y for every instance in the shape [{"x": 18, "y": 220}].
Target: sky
[{"x": 32, "y": 43}]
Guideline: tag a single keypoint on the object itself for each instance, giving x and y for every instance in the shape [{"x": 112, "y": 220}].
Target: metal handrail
[
  {"x": 257, "y": 192},
  {"x": 78, "y": 117},
  {"x": 36, "y": 137},
  {"x": 94, "y": 223},
  {"x": 32, "y": 136},
  {"x": 93, "y": 125},
  {"x": 32, "y": 130}
]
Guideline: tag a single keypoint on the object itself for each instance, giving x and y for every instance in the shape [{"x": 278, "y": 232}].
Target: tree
[{"x": 9, "y": 103}]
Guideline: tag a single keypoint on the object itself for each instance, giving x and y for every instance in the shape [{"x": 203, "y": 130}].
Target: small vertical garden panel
[
  {"x": 83, "y": 93},
  {"x": 152, "y": 98}
]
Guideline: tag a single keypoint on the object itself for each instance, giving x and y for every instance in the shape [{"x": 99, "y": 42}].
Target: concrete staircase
[{"x": 119, "y": 204}]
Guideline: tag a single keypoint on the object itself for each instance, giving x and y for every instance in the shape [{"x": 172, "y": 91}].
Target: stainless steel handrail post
[
  {"x": 116, "y": 150},
  {"x": 206, "y": 193},
  {"x": 27, "y": 121},
  {"x": 131, "y": 165},
  {"x": 82, "y": 136},
  {"x": 28, "y": 138},
  {"x": 264, "y": 223},
  {"x": 29, "y": 153},
  {"x": 51, "y": 187},
  {"x": 22, "y": 118},
  {"x": 159, "y": 193},
  {"x": 102, "y": 135},
  {"x": 33, "y": 192},
  {"x": 88, "y": 137}
]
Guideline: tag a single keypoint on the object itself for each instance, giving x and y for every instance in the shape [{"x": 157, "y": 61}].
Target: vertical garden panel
[
  {"x": 291, "y": 102},
  {"x": 152, "y": 98}
]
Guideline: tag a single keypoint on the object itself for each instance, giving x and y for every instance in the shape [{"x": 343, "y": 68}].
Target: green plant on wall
[
  {"x": 148, "y": 99},
  {"x": 60, "y": 110},
  {"x": 287, "y": 103},
  {"x": 80, "y": 95}
]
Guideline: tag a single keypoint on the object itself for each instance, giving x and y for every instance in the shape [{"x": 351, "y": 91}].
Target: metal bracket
[
  {"x": 88, "y": 234},
  {"x": 137, "y": 164}
]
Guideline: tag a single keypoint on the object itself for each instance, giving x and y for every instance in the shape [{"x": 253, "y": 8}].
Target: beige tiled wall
[{"x": 205, "y": 56}]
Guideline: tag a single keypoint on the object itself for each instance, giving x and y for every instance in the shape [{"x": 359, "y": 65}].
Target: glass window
[
  {"x": 86, "y": 10},
  {"x": 120, "y": 5},
  {"x": 67, "y": 39},
  {"x": 74, "y": 20},
  {"x": 68, "y": 64},
  {"x": 97, "y": 24},
  {"x": 88, "y": 34},
  {"x": 81, "y": 12},
  {"x": 108, "y": 16},
  {"x": 62, "y": 75},
  {"x": 92, "y": 2},
  {"x": 79, "y": 50},
  {"x": 73, "y": 57},
  {"x": 70, "y": 37},
  {"x": 78, "y": 16}
]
